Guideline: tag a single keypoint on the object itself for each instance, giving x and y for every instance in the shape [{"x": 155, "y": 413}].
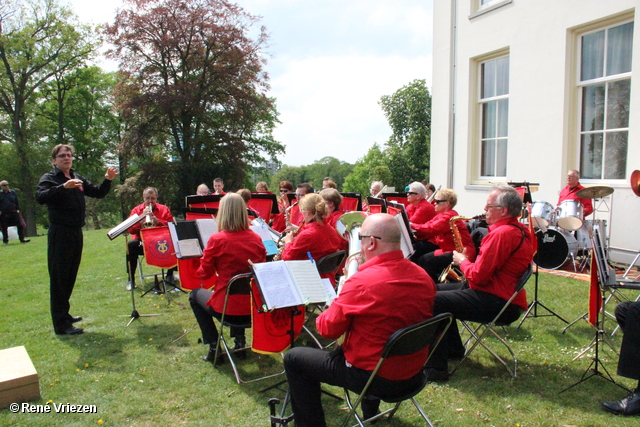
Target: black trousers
[
  {"x": 422, "y": 247},
  {"x": 135, "y": 250},
  {"x": 64, "y": 255},
  {"x": 434, "y": 264},
  {"x": 8, "y": 219},
  {"x": 628, "y": 317},
  {"x": 306, "y": 368},
  {"x": 465, "y": 304},
  {"x": 204, "y": 315}
]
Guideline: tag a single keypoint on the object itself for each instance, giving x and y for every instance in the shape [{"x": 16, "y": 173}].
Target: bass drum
[{"x": 554, "y": 247}]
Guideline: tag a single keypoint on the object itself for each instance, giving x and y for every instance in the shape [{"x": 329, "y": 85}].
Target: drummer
[{"x": 569, "y": 192}]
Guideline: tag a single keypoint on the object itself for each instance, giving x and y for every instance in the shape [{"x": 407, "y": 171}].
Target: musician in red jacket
[
  {"x": 439, "y": 230},
  {"x": 419, "y": 210},
  {"x": 315, "y": 237},
  {"x": 505, "y": 254},
  {"x": 333, "y": 200},
  {"x": 386, "y": 294},
  {"x": 227, "y": 254},
  {"x": 159, "y": 215},
  {"x": 570, "y": 192}
]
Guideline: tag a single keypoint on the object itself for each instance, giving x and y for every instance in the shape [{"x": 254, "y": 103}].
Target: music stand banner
[
  {"x": 158, "y": 247},
  {"x": 189, "y": 279},
  {"x": 271, "y": 328}
]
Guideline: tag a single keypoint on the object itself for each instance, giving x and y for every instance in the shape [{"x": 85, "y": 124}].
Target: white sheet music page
[
  {"x": 276, "y": 284},
  {"x": 190, "y": 248},
  {"x": 405, "y": 240},
  {"x": 206, "y": 227},
  {"x": 305, "y": 275}
]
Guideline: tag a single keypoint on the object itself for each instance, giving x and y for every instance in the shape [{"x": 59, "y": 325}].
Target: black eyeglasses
[
  {"x": 439, "y": 201},
  {"x": 410, "y": 193},
  {"x": 361, "y": 236},
  {"x": 283, "y": 190},
  {"x": 492, "y": 206},
  {"x": 62, "y": 156}
]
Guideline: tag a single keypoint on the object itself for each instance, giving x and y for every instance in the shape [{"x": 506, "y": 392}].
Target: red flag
[
  {"x": 595, "y": 296},
  {"x": 189, "y": 278},
  {"x": 534, "y": 240}
]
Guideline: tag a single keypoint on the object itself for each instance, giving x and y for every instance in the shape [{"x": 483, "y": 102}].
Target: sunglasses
[
  {"x": 439, "y": 201},
  {"x": 409, "y": 193},
  {"x": 361, "y": 236}
]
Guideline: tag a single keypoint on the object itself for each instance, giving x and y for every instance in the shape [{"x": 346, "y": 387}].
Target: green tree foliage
[
  {"x": 194, "y": 85},
  {"x": 372, "y": 167},
  {"x": 314, "y": 173},
  {"x": 408, "y": 112},
  {"x": 38, "y": 39}
]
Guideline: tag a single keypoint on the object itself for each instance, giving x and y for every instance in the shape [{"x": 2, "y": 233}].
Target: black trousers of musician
[
  {"x": 465, "y": 304},
  {"x": 198, "y": 299},
  {"x": 628, "y": 317},
  {"x": 434, "y": 264},
  {"x": 135, "y": 250},
  {"x": 306, "y": 368},
  {"x": 422, "y": 247},
  {"x": 8, "y": 219},
  {"x": 64, "y": 255}
]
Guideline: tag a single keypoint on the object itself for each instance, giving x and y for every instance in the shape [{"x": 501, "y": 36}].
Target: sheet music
[
  {"x": 305, "y": 275},
  {"x": 405, "y": 240},
  {"x": 189, "y": 248},
  {"x": 329, "y": 290},
  {"x": 263, "y": 231},
  {"x": 206, "y": 227},
  {"x": 278, "y": 289}
]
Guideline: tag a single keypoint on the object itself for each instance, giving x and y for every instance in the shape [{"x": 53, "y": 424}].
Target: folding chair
[
  {"x": 238, "y": 285},
  {"x": 406, "y": 341},
  {"x": 483, "y": 329}
]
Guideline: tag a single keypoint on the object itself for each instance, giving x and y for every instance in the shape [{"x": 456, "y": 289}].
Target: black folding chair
[
  {"x": 406, "y": 341},
  {"x": 478, "y": 333},
  {"x": 238, "y": 285}
]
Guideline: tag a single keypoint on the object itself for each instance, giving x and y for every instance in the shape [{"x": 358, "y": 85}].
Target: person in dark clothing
[
  {"x": 10, "y": 213},
  {"x": 63, "y": 191}
]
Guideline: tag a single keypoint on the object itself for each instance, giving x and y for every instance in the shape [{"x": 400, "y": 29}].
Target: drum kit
[{"x": 562, "y": 232}]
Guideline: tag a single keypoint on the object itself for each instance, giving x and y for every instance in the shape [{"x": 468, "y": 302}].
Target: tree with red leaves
[{"x": 195, "y": 81}]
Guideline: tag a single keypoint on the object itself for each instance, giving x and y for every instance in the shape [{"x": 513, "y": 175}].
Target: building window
[
  {"x": 605, "y": 91},
  {"x": 494, "y": 111}
]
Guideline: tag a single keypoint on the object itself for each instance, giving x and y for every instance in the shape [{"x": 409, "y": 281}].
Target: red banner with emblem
[
  {"x": 158, "y": 247},
  {"x": 595, "y": 296},
  {"x": 271, "y": 328}
]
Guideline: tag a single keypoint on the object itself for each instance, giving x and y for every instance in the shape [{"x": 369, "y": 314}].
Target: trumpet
[
  {"x": 433, "y": 196},
  {"x": 451, "y": 274},
  {"x": 379, "y": 193},
  {"x": 148, "y": 222}
]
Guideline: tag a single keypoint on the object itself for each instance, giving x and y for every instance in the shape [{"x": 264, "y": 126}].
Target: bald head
[{"x": 384, "y": 234}]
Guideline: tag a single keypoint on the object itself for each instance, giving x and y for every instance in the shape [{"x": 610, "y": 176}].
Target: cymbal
[
  {"x": 635, "y": 182},
  {"x": 594, "y": 192}
]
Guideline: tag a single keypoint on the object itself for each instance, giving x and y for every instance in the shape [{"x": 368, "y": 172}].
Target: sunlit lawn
[{"x": 139, "y": 376}]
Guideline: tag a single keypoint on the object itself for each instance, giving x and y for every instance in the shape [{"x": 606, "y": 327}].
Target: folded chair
[
  {"x": 482, "y": 329},
  {"x": 406, "y": 341},
  {"x": 238, "y": 285}
]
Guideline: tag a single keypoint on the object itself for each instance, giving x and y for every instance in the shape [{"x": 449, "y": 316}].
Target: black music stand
[
  {"x": 603, "y": 279},
  {"x": 533, "y": 305},
  {"x": 134, "y": 313}
]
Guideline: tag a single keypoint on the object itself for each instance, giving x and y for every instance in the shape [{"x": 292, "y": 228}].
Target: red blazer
[{"x": 160, "y": 211}]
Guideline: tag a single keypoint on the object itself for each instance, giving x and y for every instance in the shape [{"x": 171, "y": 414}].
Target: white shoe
[{"x": 129, "y": 285}]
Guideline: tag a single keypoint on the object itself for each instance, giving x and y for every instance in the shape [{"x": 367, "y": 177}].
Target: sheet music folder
[
  {"x": 191, "y": 237},
  {"x": 284, "y": 284}
]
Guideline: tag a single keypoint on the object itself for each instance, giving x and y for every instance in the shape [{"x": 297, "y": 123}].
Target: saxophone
[{"x": 452, "y": 274}]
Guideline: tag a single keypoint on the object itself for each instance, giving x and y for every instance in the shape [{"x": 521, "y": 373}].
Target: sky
[{"x": 329, "y": 63}]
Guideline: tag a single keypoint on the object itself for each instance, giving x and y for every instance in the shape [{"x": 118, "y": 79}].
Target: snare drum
[
  {"x": 554, "y": 247},
  {"x": 542, "y": 214},
  {"x": 570, "y": 214}
]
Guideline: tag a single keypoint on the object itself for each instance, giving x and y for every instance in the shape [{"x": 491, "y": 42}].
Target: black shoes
[
  {"x": 630, "y": 405},
  {"x": 209, "y": 357},
  {"x": 75, "y": 319},
  {"x": 25, "y": 241},
  {"x": 71, "y": 331},
  {"x": 438, "y": 375},
  {"x": 239, "y": 348}
]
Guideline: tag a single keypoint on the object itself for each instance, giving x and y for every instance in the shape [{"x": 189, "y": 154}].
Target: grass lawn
[{"x": 138, "y": 376}]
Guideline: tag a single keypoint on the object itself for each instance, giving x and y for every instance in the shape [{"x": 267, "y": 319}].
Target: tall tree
[
  {"x": 408, "y": 112},
  {"x": 372, "y": 167},
  {"x": 195, "y": 82},
  {"x": 38, "y": 39}
]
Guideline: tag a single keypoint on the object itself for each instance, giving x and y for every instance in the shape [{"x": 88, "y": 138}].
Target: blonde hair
[
  {"x": 448, "y": 194},
  {"x": 245, "y": 194},
  {"x": 232, "y": 213},
  {"x": 314, "y": 204}
]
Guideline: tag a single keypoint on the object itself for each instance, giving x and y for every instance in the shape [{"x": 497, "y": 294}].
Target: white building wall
[{"x": 541, "y": 39}]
